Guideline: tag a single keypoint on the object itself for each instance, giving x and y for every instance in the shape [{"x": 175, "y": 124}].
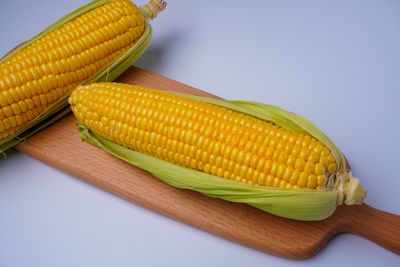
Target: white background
[{"x": 335, "y": 62}]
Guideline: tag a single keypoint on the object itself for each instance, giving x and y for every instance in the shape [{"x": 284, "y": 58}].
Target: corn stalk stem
[{"x": 152, "y": 8}]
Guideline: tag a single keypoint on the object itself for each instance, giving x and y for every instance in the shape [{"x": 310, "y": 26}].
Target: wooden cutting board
[{"x": 60, "y": 146}]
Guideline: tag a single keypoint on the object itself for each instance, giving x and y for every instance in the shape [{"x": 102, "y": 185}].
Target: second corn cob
[{"x": 73, "y": 51}]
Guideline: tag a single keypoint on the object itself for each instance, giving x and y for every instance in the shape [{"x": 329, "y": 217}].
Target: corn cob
[
  {"x": 209, "y": 138},
  {"x": 80, "y": 48}
]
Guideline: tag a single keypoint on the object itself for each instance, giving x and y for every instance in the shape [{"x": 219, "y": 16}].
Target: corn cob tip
[
  {"x": 152, "y": 8},
  {"x": 354, "y": 192}
]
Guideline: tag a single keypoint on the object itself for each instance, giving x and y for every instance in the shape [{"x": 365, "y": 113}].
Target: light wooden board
[{"x": 60, "y": 146}]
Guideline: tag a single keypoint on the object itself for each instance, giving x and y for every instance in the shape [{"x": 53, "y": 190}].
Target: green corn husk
[
  {"x": 299, "y": 204},
  {"x": 60, "y": 108}
]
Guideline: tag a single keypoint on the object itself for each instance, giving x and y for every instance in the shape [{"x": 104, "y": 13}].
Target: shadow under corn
[
  {"x": 154, "y": 57},
  {"x": 8, "y": 154}
]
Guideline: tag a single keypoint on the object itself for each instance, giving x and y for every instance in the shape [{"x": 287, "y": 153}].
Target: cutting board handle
[{"x": 378, "y": 226}]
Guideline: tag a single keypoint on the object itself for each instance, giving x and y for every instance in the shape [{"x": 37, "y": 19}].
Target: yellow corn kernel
[
  {"x": 289, "y": 186},
  {"x": 318, "y": 147},
  {"x": 283, "y": 157},
  {"x": 287, "y": 174},
  {"x": 331, "y": 158},
  {"x": 268, "y": 166},
  {"x": 281, "y": 170},
  {"x": 296, "y": 150},
  {"x": 324, "y": 161},
  {"x": 276, "y": 182},
  {"x": 261, "y": 179},
  {"x": 321, "y": 179},
  {"x": 309, "y": 168},
  {"x": 319, "y": 169},
  {"x": 332, "y": 167},
  {"x": 312, "y": 181},
  {"x": 269, "y": 180},
  {"x": 295, "y": 177},
  {"x": 304, "y": 153},
  {"x": 300, "y": 164},
  {"x": 303, "y": 180},
  {"x": 325, "y": 151},
  {"x": 274, "y": 168},
  {"x": 291, "y": 160},
  {"x": 314, "y": 157}
]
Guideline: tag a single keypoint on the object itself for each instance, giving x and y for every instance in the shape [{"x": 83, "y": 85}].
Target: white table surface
[{"x": 335, "y": 62}]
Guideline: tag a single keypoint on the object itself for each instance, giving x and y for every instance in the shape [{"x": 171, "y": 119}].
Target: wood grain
[{"x": 60, "y": 146}]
